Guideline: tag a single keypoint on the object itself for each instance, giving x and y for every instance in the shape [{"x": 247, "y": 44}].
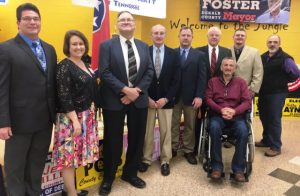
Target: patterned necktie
[
  {"x": 132, "y": 68},
  {"x": 157, "y": 63},
  {"x": 182, "y": 57},
  {"x": 213, "y": 62},
  {"x": 39, "y": 53}
]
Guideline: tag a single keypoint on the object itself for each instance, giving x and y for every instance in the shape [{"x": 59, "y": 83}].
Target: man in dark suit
[
  {"x": 162, "y": 94},
  {"x": 27, "y": 103},
  {"x": 214, "y": 54},
  {"x": 126, "y": 73},
  {"x": 190, "y": 94}
]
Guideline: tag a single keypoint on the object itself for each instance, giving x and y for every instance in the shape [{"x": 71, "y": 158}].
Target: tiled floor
[{"x": 271, "y": 176}]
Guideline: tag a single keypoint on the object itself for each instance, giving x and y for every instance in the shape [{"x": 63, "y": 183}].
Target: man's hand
[
  {"x": 152, "y": 103},
  {"x": 5, "y": 133},
  {"x": 197, "y": 102},
  {"x": 227, "y": 113},
  {"x": 125, "y": 100},
  {"x": 131, "y": 93},
  {"x": 161, "y": 103}
]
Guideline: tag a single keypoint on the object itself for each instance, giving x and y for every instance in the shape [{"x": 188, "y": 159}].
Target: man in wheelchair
[{"x": 228, "y": 99}]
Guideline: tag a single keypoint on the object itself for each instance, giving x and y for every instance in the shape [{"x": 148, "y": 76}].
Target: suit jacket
[
  {"x": 193, "y": 77},
  {"x": 167, "y": 84},
  {"x": 223, "y": 52},
  {"x": 114, "y": 77},
  {"x": 249, "y": 67},
  {"x": 27, "y": 93}
]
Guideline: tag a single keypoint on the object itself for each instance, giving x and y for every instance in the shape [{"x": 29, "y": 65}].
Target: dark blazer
[
  {"x": 193, "y": 77},
  {"x": 27, "y": 93},
  {"x": 223, "y": 52},
  {"x": 167, "y": 84},
  {"x": 113, "y": 74}
]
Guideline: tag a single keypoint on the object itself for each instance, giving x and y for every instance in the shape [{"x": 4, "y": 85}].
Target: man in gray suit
[
  {"x": 27, "y": 103},
  {"x": 249, "y": 64},
  {"x": 126, "y": 73}
]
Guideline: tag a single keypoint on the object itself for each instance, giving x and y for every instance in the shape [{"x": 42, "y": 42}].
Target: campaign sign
[{"x": 52, "y": 181}]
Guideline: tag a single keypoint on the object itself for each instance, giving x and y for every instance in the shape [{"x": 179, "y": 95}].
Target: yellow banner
[
  {"x": 93, "y": 173},
  {"x": 291, "y": 107}
]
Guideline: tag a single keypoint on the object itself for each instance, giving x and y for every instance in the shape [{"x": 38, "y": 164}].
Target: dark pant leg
[
  {"x": 241, "y": 135},
  {"x": 113, "y": 142},
  {"x": 276, "y": 103},
  {"x": 15, "y": 156},
  {"x": 263, "y": 115},
  {"x": 36, "y": 158},
  {"x": 136, "y": 123},
  {"x": 216, "y": 124}
]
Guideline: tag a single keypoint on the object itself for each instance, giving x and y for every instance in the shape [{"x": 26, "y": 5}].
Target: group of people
[{"x": 138, "y": 83}]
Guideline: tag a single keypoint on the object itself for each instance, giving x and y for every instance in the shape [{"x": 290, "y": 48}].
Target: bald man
[{"x": 162, "y": 93}]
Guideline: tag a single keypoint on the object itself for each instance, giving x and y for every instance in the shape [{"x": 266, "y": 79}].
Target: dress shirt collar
[{"x": 28, "y": 40}]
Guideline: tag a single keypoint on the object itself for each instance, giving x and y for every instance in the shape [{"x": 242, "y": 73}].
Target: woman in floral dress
[{"x": 75, "y": 137}]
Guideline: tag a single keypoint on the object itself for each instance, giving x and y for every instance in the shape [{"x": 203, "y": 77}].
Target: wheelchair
[{"x": 204, "y": 147}]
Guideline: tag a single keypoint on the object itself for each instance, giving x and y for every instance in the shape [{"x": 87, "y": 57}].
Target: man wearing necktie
[
  {"x": 214, "y": 54},
  {"x": 162, "y": 93},
  {"x": 126, "y": 73},
  {"x": 27, "y": 103},
  {"x": 190, "y": 94}
]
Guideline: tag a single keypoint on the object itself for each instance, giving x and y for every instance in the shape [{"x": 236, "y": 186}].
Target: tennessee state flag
[{"x": 100, "y": 28}]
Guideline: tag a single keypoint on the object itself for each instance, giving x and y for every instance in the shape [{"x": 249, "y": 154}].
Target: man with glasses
[
  {"x": 27, "y": 103},
  {"x": 126, "y": 73}
]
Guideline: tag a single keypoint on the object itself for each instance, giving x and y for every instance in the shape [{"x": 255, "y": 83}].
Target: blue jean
[
  {"x": 240, "y": 133},
  {"x": 270, "y": 112}
]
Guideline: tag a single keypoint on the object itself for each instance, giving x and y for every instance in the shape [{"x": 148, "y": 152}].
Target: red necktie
[{"x": 213, "y": 62}]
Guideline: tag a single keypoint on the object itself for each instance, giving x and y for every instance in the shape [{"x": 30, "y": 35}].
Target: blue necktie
[
  {"x": 182, "y": 57},
  {"x": 39, "y": 53}
]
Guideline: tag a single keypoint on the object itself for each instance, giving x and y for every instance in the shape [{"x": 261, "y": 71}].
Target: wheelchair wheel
[
  {"x": 251, "y": 148},
  {"x": 248, "y": 168}
]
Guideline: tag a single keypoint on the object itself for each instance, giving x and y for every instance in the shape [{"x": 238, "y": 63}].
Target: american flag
[{"x": 100, "y": 28}]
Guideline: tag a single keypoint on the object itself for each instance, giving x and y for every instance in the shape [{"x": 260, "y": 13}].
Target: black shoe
[
  {"x": 83, "y": 193},
  {"x": 165, "y": 169},
  {"x": 135, "y": 181},
  {"x": 64, "y": 193},
  {"x": 143, "y": 167},
  {"x": 190, "y": 157},
  {"x": 105, "y": 188},
  {"x": 174, "y": 153},
  {"x": 227, "y": 144}
]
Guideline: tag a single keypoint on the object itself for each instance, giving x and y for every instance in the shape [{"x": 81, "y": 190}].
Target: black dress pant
[
  {"x": 24, "y": 161},
  {"x": 113, "y": 140}
]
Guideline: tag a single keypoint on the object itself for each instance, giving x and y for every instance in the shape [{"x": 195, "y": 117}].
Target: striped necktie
[
  {"x": 132, "y": 68},
  {"x": 157, "y": 63},
  {"x": 213, "y": 62}
]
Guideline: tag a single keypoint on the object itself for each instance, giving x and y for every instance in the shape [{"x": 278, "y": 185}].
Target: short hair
[
  {"x": 185, "y": 28},
  {"x": 68, "y": 35},
  {"x": 228, "y": 58},
  {"x": 125, "y": 11},
  {"x": 24, "y": 7},
  {"x": 214, "y": 29},
  {"x": 240, "y": 29}
]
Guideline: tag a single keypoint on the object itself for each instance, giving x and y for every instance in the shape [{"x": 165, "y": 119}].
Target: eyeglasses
[
  {"x": 29, "y": 19},
  {"x": 123, "y": 20}
]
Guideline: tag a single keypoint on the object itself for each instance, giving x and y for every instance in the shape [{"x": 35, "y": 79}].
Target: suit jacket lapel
[
  {"x": 28, "y": 50},
  {"x": 142, "y": 59},
  {"x": 244, "y": 53},
  {"x": 164, "y": 63},
  {"x": 220, "y": 56},
  {"x": 117, "y": 50},
  {"x": 49, "y": 62}
]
